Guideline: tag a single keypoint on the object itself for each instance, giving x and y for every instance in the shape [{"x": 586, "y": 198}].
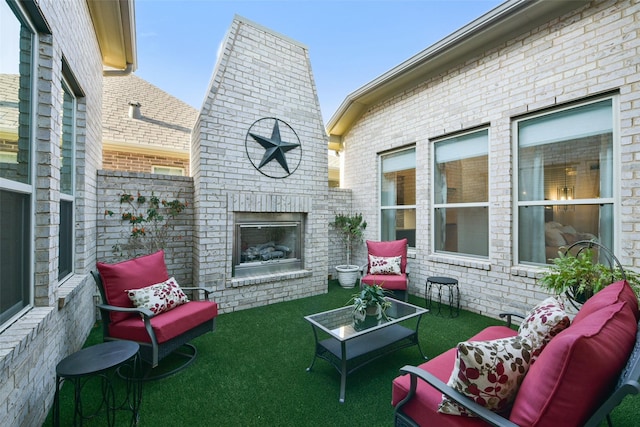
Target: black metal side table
[
  {"x": 109, "y": 361},
  {"x": 438, "y": 284}
]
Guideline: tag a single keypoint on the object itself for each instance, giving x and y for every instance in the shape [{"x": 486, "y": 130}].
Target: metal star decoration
[{"x": 275, "y": 147}]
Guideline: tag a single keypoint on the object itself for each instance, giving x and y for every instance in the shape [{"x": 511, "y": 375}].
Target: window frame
[
  {"x": 445, "y": 205},
  {"x": 67, "y": 197},
  {"x": 382, "y": 207},
  {"x": 13, "y": 186},
  {"x": 613, "y": 201},
  {"x": 170, "y": 168}
]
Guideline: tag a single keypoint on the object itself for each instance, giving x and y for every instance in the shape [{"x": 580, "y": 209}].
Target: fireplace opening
[{"x": 266, "y": 243}]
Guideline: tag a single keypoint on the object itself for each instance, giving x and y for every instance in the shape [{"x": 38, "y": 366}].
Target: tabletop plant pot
[{"x": 370, "y": 303}]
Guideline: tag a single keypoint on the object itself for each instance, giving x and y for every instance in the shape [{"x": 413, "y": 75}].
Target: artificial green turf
[{"x": 252, "y": 372}]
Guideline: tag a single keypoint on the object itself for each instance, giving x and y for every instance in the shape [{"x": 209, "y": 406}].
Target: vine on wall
[{"x": 151, "y": 223}]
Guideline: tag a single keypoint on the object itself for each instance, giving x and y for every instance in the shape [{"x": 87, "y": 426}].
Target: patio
[{"x": 252, "y": 371}]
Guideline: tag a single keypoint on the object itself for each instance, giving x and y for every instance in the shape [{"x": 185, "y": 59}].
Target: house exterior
[
  {"x": 502, "y": 143},
  {"x": 490, "y": 150},
  {"x": 144, "y": 129},
  {"x": 50, "y": 151}
]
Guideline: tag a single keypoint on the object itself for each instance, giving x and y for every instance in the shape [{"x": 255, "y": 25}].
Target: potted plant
[
  {"x": 578, "y": 275},
  {"x": 370, "y": 301},
  {"x": 351, "y": 228}
]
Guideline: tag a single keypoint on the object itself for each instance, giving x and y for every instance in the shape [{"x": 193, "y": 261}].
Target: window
[
  {"x": 398, "y": 196},
  {"x": 461, "y": 194},
  {"x": 167, "y": 170},
  {"x": 565, "y": 179},
  {"x": 16, "y": 190},
  {"x": 67, "y": 179}
]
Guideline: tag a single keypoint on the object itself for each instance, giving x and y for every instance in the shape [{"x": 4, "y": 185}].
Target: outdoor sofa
[{"x": 577, "y": 379}]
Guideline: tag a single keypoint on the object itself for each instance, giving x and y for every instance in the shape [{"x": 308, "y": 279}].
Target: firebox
[{"x": 267, "y": 243}]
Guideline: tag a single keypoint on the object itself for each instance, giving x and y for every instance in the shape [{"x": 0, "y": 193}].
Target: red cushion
[
  {"x": 576, "y": 370},
  {"x": 131, "y": 274},
  {"x": 387, "y": 281},
  {"x": 167, "y": 325},
  {"x": 390, "y": 248},
  {"x": 423, "y": 408},
  {"x": 615, "y": 292}
]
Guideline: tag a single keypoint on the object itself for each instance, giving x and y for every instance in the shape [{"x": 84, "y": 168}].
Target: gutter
[
  {"x": 115, "y": 73},
  {"x": 491, "y": 29}
]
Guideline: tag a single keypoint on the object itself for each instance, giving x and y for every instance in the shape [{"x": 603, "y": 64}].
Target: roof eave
[
  {"x": 115, "y": 27},
  {"x": 500, "y": 24}
]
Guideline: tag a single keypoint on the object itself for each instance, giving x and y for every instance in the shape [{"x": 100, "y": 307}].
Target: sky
[{"x": 351, "y": 42}]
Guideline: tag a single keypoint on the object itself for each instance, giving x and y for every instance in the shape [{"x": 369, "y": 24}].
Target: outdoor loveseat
[
  {"x": 163, "y": 320},
  {"x": 577, "y": 379}
]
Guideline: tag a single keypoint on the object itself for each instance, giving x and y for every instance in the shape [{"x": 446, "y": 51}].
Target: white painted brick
[{"x": 591, "y": 51}]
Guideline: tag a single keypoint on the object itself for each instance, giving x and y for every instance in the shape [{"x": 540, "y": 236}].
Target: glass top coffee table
[{"x": 349, "y": 344}]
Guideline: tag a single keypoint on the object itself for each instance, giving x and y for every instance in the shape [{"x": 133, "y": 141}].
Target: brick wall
[
  {"x": 259, "y": 75},
  {"x": 591, "y": 51},
  {"x": 138, "y": 162},
  {"x": 112, "y": 230},
  {"x": 63, "y": 313}
]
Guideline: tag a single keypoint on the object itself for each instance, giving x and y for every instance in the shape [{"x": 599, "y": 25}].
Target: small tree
[{"x": 351, "y": 228}]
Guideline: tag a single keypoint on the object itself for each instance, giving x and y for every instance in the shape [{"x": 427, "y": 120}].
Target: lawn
[{"x": 252, "y": 372}]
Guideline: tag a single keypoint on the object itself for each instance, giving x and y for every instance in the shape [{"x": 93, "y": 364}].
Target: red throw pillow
[
  {"x": 131, "y": 274},
  {"x": 389, "y": 249},
  {"x": 577, "y": 370}
]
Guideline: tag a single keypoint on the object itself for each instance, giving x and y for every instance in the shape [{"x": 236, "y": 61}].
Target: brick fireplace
[{"x": 259, "y": 162}]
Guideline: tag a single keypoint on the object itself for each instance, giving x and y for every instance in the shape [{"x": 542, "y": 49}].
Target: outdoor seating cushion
[
  {"x": 387, "y": 281},
  {"x": 160, "y": 297},
  {"x": 489, "y": 373},
  {"x": 384, "y": 264},
  {"x": 131, "y": 274},
  {"x": 542, "y": 323},
  {"x": 389, "y": 249},
  {"x": 167, "y": 325},
  {"x": 423, "y": 408},
  {"x": 616, "y": 292},
  {"x": 577, "y": 369}
]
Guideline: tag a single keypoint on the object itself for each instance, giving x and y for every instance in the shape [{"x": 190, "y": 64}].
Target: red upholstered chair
[
  {"x": 382, "y": 267},
  {"x": 158, "y": 332}
]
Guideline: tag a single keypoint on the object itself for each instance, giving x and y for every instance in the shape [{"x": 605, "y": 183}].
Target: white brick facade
[
  {"x": 590, "y": 51},
  {"x": 259, "y": 74},
  {"x": 62, "y": 313}
]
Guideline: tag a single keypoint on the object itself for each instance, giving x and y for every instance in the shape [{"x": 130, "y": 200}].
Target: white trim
[{"x": 156, "y": 150}]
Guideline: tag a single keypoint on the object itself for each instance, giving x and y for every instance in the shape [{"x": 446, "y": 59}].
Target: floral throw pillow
[
  {"x": 489, "y": 373},
  {"x": 543, "y": 322},
  {"x": 384, "y": 265},
  {"x": 160, "y": 297}
]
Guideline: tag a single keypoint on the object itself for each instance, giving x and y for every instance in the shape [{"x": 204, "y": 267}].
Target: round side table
[
  {"x": 439, "y": 284},
  {"x": 105, "y": 361}
]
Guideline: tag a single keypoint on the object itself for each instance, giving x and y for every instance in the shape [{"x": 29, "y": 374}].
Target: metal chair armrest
[
  {"x": 482, "y": 412},
  {"x": 364, "y": 270},
  {"x": 145, "y": 312},
  {"x": 207, "y": 292},
  {"x": 509, "y": 316}
]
